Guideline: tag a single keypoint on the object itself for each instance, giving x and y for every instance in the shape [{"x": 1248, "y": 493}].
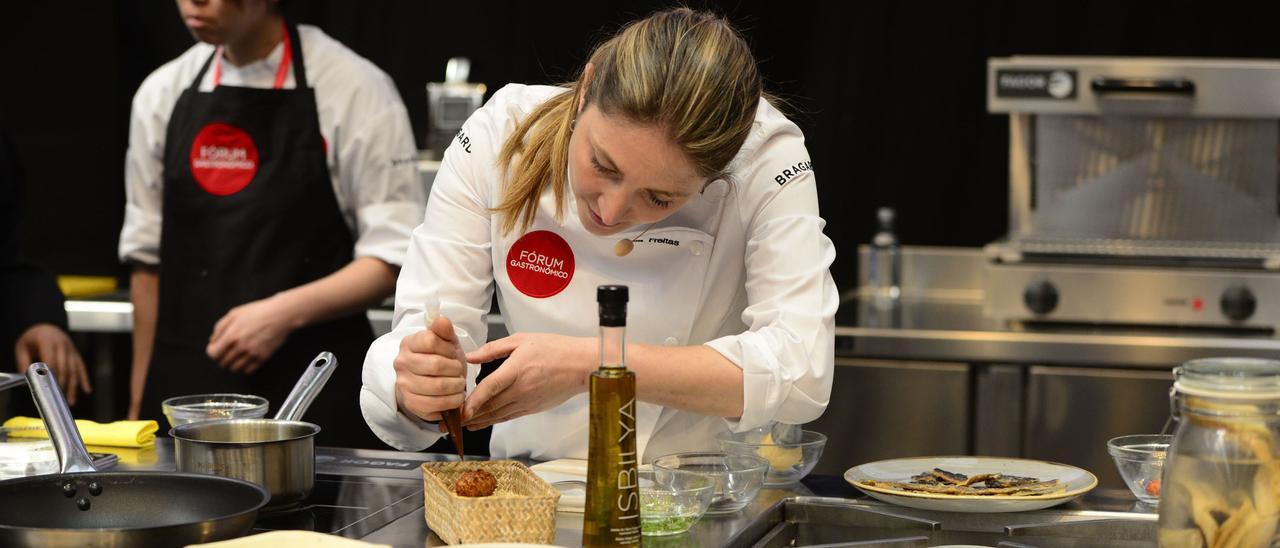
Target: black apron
[{"x": 249, "y": 211}]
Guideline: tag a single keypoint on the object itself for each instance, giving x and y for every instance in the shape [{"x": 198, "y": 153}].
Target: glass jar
[{"x": 1221, "y": 482}]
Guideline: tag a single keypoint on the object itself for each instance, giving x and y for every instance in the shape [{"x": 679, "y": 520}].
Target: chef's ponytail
[{"x": 687, "y": 72}]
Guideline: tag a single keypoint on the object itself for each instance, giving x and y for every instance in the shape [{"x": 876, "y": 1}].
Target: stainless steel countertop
[
  {"x": 411, "y": 529},
  {"x": 113, "y": 313},
  {"x": 710, "y": 531}
]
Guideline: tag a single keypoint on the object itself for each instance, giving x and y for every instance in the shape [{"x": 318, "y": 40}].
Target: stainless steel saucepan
[{"x": 278, "y": 453}]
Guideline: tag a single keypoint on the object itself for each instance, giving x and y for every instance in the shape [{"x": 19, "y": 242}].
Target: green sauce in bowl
[{"x": 661, "y": 513}]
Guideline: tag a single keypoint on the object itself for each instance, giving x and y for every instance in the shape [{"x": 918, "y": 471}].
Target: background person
[{"x": 271, "y": 188}]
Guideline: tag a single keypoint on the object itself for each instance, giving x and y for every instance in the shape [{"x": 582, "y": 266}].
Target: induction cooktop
[{"x": 357, "y": 492}]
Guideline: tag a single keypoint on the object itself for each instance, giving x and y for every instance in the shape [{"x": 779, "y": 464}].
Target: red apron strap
[{"x": 282, "y": 72}]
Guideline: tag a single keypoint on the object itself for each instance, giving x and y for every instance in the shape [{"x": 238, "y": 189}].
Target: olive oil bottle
[{"x": 612, "y": 511}]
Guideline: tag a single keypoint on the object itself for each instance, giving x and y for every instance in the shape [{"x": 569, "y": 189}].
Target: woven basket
[{"x": 522, "y": 509}]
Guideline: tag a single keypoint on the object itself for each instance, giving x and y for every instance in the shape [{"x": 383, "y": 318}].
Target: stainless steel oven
[{"x": 1142, "y": 191}]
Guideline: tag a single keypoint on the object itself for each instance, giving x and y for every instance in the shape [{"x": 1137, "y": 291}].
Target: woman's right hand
[{"x": 430, "y": 372}]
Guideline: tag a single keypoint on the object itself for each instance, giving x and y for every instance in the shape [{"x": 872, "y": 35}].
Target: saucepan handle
[
  {"x": 72, "y": 456},
  {"x": 305, "y": 391}
]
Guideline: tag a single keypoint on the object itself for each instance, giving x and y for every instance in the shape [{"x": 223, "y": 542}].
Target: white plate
[
  {"x": 505, "y": 545},
  {"x": 1078, "y": 482}
]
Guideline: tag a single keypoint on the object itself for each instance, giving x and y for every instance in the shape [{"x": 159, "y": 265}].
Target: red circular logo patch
[
  {"x": 540, "y": 264},
  {"x": 223, "y": 159}
]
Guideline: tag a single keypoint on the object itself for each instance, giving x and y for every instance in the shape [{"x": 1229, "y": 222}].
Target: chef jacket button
[
  {"x": 695, "y": 248},
  {"x": 204, "y": 273},
  {"x": 671, "y": 341}
]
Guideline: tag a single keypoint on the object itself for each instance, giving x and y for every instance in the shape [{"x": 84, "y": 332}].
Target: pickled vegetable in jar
[{"x": 1221, "y": 484}]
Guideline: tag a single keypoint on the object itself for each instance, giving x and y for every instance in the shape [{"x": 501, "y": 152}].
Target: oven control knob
[
  {"x": 1040, "y": 297},
  {"x": 1238, "y": 303}
]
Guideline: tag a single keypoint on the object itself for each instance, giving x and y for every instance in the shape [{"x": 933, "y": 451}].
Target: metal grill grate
[{"x": 1156, "y": 186}]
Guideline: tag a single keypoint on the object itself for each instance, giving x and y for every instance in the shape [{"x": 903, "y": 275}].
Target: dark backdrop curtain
[{"x": 890, "y": 93}]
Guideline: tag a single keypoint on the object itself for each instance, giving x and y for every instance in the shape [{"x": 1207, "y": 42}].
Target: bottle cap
[
  {"x": 885, "y": 216},
  {"x": 613, "y": 305}
]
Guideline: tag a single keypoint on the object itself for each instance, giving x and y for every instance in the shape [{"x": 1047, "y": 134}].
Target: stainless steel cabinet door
[
  {"x": 889, "y": 409},
  {"x": 1072, "y": 412}
]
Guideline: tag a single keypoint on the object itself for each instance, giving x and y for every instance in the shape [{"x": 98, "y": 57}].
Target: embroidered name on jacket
[
  {"x": 792, "y": 172},
  {"x": 464, "y": 141}
]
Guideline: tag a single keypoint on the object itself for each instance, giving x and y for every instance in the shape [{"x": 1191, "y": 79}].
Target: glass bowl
[
  {"x": 206, "y": 407},
  {"x": 672, "y": 501},
  {"x": 1140, "y": 459},
  {"x": 788, "y": 462},
  {"x": 735, "y": 479}
]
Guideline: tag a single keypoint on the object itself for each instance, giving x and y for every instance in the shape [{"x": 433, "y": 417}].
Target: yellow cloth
[
  {"x": 115, "y": 434},
  {"x": 75, "y": 287}
]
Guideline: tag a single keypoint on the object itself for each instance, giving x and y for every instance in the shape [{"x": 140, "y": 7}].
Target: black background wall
[{"x": 890, "y": 93}]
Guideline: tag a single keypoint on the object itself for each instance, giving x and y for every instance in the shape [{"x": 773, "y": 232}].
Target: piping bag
[{"x": 450, "y": 418}]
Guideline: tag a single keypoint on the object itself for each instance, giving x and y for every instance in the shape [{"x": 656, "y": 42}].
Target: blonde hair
[{"x": 687, "y": 72}]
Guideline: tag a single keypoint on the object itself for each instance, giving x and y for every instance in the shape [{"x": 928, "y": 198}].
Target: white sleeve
[
  {"x": 144, "y": 172},
  {"x": 377, "y": 169},
  {"x": 787, "y": 355},
  {"x": 449, "y": 257}
]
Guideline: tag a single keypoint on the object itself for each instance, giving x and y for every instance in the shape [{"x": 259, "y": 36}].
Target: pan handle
[
  {"x": 72, "y": 455},
  {"x": 305, "y": 391}
]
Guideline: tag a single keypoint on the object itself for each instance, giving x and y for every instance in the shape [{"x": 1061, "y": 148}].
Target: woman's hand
[
  {"x": 430, "y": 372},
  {"x": 542, "y": 371},
  {"x": 247, "y": 336},
  {"x": 48, "y": 343}
]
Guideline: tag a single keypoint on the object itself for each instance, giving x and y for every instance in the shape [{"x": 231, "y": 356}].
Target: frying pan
[
  {"x": 81, "y": 506},
  {"x": 278, "y": 453}
]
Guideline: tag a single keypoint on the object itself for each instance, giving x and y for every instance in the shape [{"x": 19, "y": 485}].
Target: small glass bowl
[
  {"x": 736, "y": 479},
  {"x": 206, "y": 407},
  {"x": 788, "y": 462},
  {"x": 1140, "y": 459},
  {"x": 672, "y": 501}
]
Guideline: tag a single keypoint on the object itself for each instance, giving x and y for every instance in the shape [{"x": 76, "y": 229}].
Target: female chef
[
  {"x": 666, "y": 145},
  {"x": 271, "y": 194}
]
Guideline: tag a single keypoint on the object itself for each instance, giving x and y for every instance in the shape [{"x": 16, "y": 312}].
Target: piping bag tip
[
  {"x": 452, "y": 421},
  {"x": 452, "y": 418}
]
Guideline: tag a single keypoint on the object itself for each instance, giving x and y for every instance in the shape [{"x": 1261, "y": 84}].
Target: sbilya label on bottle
[{"x": 612, "y": 511}]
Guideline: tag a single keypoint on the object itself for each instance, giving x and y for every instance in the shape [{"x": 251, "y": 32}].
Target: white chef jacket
[
  {"x": 369, "y": 144},
  {"x": 741, "y": 268}
]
